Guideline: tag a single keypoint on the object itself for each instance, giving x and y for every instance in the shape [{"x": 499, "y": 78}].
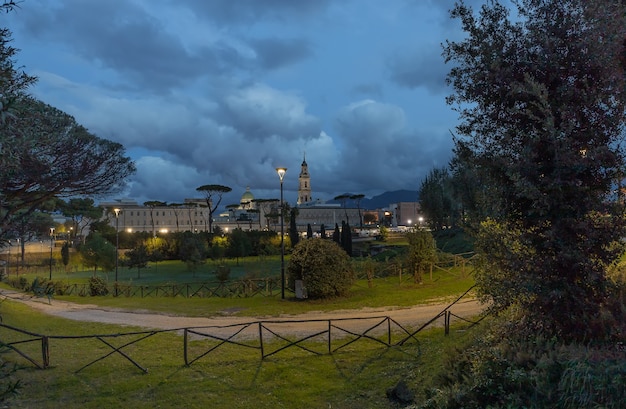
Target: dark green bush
[
  {"x": 222, "y": 273},
  {"x": 98, "y": 286},
  {"x": 500, "y": 369},
  {"x": 323, "y": 266}
]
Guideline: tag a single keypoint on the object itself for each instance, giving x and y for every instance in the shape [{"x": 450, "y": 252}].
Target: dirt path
[{"x": 412, "y": 317}]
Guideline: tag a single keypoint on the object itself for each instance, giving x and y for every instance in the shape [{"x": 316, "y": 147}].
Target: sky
[{"x": 224, "y": 91}]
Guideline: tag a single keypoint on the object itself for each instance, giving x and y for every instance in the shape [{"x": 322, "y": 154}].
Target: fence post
[
  {"x": 261, "y": 340},
  {"x": 447, "y": 322},
  {"x": 185, "y": 347},
  {"x": 45, "y": 351},
  {"x": 329, "y": 339}
]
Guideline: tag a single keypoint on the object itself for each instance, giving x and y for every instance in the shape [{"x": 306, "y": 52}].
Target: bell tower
[{"x": 304, "y": 189}]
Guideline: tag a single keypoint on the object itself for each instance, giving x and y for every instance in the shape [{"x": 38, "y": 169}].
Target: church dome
[{"x": 247, "y": 197}]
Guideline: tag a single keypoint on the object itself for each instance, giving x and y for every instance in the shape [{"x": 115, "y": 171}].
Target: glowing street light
[{"x": 281, "y": 174}]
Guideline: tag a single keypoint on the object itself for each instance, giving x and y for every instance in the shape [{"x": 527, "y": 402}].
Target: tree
[
  {"x": 192, "y": 250},
  {"x": 53, "y": 156},
  {"x": 357, "y": 200},
  {"x": 337, "y": 235},
  {"x": 177, "y": 208},
  {"x": 323, "y": 266},
  {"x": 322, "y": 231},
  {"x": 294, "y": 236},
  {"x": 152, "y": 204},
  {"x": 65, "y": 254},
  {"x": 541, "y": 100},
  {"x": 309, "y": 231},
  {"x": 98, "y": 253},
  {"x": 26, "y": 227},
  {"x": 13, "y": 82},
  {"x": 422, "y": 252},
  {"x": 232, "y": 210},
  {"x": 266, "y": 210},
  {"x": 437, "y": 198},
  {"x": 346, "y": 237},
  {"x": 211, "y": 192},
  {"x": 138, "y": 258},
  {"x": 82, "y": 212},
  {"x": 239, "y": 244},
  {"x": 343, "y": 199}
]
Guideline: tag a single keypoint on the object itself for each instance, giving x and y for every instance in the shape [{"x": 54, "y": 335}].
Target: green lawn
[{"x": 230, "y": 377}]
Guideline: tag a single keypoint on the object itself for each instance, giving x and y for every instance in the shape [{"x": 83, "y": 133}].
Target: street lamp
[
  {"x": 17, "y": 259},
  {"x": 51, "y": 245},
  {"x": 281, "y": 174},
  {"x": 117, "y": 243}
]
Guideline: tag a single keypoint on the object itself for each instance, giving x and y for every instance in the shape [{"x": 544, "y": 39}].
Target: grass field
[{"x": 230, "y": 377}]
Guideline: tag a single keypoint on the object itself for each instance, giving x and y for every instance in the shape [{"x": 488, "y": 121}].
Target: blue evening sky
[{"x": 223, "y": 91}]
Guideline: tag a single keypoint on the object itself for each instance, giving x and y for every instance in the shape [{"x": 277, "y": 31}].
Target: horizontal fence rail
[{"x": 269, "y": 337}]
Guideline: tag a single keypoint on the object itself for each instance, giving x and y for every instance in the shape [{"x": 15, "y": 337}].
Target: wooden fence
[{"x": 269, "y": 337}]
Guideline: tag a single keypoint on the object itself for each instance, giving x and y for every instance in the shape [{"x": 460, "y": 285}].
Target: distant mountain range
[{"x": 383, "y": 200}]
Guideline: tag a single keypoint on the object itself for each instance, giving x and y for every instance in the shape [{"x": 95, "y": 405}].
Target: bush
[
  {"x": 222, "y": 273},
  {"x": 323, "y": 266},
  {"x": 97, "y": 286},
  {"x": 501, "y": 369}
]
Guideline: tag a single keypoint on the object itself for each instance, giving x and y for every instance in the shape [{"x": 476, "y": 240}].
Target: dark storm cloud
[
  {"x": 251, "y": 11},
  {"x": 124, "y": 38},
  {"x": 376, "y": 137},
  {"x": 276, "y": 52},
  {"x": 420, "y": 68},
  {"x": 223, "y": 91},
  {"x": 260, "y": 112}
]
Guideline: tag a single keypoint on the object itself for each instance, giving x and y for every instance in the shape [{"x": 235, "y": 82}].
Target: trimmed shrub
[
  {"x": 98, "y": 286},
  {"x": 323, "y": 266}
]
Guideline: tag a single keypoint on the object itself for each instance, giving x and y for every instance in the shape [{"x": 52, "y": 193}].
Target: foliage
[
  {"x": 97, "y": 286},
  {"x": 499, "y": 369},
  {"x": 421, "y": 253},
  {"x": 28, "y": 226},
  {"x": 384, "y": 233},
  {"x": 137, "y": 257},
  {"x": 238, "y": 244},
  {"x": 294, "y": 236},
  {"x": 55, "y": 157},
  {"x": 217, "y": 250},
  {"x": 98, "y": 253},
  {"x": 222, "y": 273},
  {"x": 545, "y": 142},
  {"x": 454, "y": 241},
  {"x": 323, "y": 266},
  {"x": 13, "y": 84},
  {"x": 346, "y": 237},
  {"x": 337, "y": 234},
  {"x": 211, "y": 192},
  {"x": 65, "y": 253},
  {"x": 82, "y": 211},
  {"x": 437, "y": 199}
]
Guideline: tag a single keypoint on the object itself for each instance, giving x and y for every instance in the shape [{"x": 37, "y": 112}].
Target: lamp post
[
  {"x": 281, "y": 174},
  {"x": 17, "y": 259},
  {"x": 117, "y": 243},
  {"x": 51, "y": 245}
]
